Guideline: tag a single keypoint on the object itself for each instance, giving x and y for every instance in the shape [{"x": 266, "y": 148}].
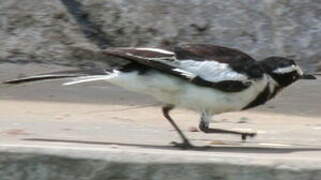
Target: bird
[{"x": 205, "y": 78}]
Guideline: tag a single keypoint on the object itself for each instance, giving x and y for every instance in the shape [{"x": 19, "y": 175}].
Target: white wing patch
[
  {"x": 185, "y": 73},
  {"x": 161, "y": 51},
  {"x": 156, "y": 50},
  {"x": 211, "y": 70}
]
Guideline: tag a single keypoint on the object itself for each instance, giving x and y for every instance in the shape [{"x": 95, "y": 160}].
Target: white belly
[{"x": 172, "y": 90}]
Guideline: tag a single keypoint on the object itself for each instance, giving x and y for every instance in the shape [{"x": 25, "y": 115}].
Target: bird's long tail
[{"x": 79, "y": 76}]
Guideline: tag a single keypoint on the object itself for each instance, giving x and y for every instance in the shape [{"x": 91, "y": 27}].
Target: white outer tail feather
[
  {"x": 84, "y": 79},
  {"x": 89, "y": 78}
]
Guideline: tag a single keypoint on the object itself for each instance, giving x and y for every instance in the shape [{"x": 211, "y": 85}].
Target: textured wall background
[{"x": 45, "y": 30}]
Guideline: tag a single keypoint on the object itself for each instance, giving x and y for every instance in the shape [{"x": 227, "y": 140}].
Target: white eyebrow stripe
[
  {"x": 156, "y": 50},
  {"x": 289, "y": 69}
]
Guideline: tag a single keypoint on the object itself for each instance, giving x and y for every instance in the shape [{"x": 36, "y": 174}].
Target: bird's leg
[
  {"x": 185, "y": 144},
  {"x": 204, "y": 126}
]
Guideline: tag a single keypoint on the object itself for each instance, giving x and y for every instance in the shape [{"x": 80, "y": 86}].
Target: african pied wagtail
[{"x": 205, "y": 78}]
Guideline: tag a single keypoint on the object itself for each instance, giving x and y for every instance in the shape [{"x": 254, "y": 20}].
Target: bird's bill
[{"x": 308, "y": 76}]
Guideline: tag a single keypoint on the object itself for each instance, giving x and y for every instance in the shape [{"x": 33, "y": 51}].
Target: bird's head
[{"x": 283, "y": 70}]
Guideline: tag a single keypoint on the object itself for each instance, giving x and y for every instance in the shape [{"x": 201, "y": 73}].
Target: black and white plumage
[{"x": 205, "y": 78}]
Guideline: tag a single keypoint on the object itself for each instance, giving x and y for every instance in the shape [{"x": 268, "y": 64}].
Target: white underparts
[{"x": 172, "y": 90}]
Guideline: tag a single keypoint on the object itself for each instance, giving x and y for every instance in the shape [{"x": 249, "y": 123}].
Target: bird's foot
[
  {"x": 184, "y": 145},
  {"x": 245, "y": 135}
]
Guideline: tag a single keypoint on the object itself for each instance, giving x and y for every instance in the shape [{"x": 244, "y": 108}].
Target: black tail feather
[
  {"x": 56, "y": 75},
  {"x": 36, "y": 78}
]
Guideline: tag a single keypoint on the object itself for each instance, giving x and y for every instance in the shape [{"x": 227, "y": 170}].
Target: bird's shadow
[{"x": 216, "y": 148}]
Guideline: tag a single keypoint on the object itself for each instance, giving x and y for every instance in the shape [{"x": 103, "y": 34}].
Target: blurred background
[{"x": 71, "y": 32}]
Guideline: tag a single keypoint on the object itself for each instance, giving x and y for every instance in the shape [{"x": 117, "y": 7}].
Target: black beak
[{"x": 307, "y": 76}]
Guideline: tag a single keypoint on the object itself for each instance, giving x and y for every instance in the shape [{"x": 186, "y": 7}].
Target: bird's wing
[
  {"x": 211, "y": 52},
  {"x": 155, "y": 58},
  {"x": 219, "y": 64},
  {"x": 203, "y": 71}
]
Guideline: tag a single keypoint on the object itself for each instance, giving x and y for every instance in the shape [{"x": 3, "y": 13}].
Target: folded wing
[{"x": 203, "y": 65}]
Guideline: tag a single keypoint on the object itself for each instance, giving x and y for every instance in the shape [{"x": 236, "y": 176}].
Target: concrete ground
[{"x": 99, "y": 131}]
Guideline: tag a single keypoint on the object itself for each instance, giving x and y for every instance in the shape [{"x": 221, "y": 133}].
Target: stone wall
[{"x": 60, "y": 31}]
